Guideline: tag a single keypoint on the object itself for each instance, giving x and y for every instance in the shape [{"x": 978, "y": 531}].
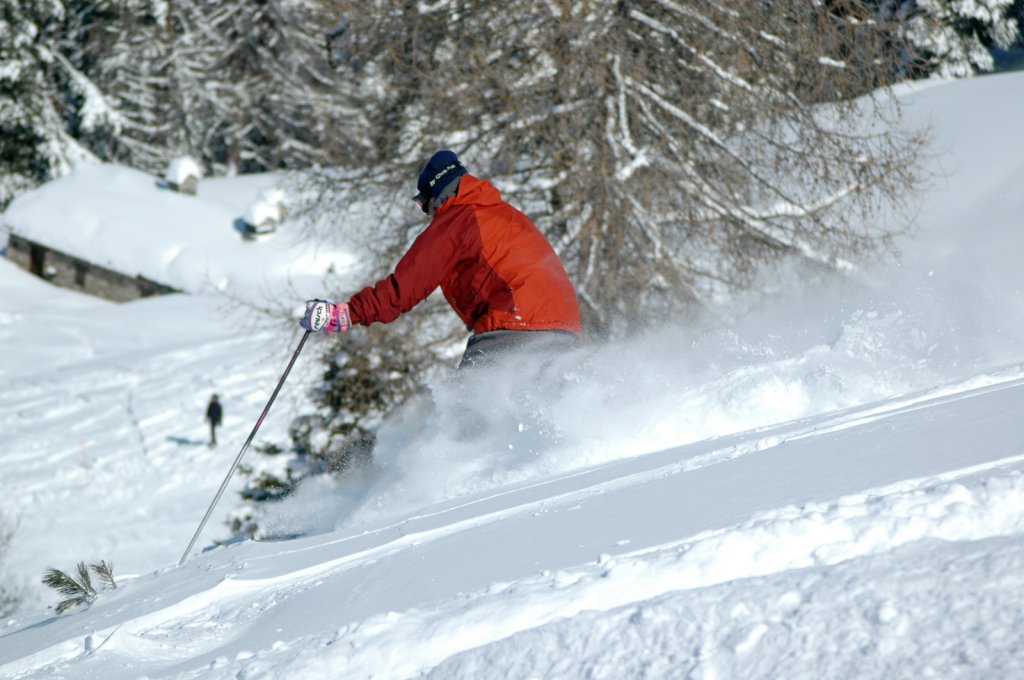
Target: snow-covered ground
[{"x": 833, "y": 486}]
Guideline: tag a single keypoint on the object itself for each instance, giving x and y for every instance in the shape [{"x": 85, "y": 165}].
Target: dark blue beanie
[{"x": 440, "y": 170}]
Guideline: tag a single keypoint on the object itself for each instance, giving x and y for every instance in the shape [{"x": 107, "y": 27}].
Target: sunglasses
[{"x": 423, "y": 202}]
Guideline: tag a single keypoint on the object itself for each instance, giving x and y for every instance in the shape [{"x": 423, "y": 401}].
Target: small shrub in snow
[
  {"x": 359, "y": 387},
  {"x": 79, "y": 591}
]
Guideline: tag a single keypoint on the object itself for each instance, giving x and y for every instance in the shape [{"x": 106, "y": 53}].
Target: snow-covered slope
[
  {"x": 831, "y": 487},
  {"x": 104, "y": 445},
  {"x": 896, "y": 525}
]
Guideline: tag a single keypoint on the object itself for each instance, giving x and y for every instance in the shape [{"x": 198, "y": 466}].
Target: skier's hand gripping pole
[{"x": 326, "y": 317}]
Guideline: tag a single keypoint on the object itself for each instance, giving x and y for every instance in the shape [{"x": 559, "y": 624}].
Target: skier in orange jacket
[{"x": 494, "y": 267}]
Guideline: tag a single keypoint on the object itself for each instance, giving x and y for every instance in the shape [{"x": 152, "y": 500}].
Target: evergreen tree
[
  {"x": 275, "y": 100},
  {"x": 950, "y": 38},
  {"x": 124, "y": 47},
  {"x": 39, "y": 92}
]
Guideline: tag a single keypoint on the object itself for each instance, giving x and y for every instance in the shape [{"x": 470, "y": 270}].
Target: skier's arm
[{"x": 418, "y": 273}]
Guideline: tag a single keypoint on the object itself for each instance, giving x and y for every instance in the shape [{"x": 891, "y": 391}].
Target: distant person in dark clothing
[{"x": 214, "y": 414}]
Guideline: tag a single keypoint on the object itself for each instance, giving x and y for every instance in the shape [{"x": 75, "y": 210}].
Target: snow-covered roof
[
  {"x": 268, "y": 208},
  {"x": 129, "y": 221},
  {"x": 180, "y": 169}
]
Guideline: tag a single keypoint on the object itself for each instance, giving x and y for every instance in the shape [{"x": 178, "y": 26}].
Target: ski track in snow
[
  {"x": 850, "y": 528},
  {"x": 774, "y": 546}
]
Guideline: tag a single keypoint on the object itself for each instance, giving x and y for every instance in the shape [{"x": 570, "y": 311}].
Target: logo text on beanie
[{"x": 441, "y": 173}]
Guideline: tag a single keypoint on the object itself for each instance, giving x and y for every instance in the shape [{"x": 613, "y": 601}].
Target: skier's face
[{"x": 427, "y": 205}]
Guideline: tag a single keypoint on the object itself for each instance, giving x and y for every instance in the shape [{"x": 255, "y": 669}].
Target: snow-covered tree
[
  {"x": 242, "y": 85},
  {"x": 952, "y": 38},
  {"x": 124, "y": 48},
  {"x": 274, "y": 100},
  {"x": 667, "y": 147},
  {"x": 40, "y": 92}
]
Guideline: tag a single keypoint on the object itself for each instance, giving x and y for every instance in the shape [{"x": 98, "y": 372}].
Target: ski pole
[{"x": 245, "y": 447}]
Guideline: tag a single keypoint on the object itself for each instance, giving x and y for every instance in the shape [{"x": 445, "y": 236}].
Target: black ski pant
[{"x": 485, "y": 349}]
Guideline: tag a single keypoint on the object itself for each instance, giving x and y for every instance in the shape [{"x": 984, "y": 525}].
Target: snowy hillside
[{"x": 833, "y": 486}]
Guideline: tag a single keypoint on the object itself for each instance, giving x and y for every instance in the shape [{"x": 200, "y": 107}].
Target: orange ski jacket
[{"x": 495, "y": 268}]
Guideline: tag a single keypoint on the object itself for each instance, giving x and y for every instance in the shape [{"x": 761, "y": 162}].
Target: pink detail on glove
[{"x": 340, "y": 319}]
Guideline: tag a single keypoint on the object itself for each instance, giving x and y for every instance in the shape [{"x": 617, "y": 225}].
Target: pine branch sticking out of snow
[
  {"x": 105, "y": 572},
  {"x": 79, "y": 591}
]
